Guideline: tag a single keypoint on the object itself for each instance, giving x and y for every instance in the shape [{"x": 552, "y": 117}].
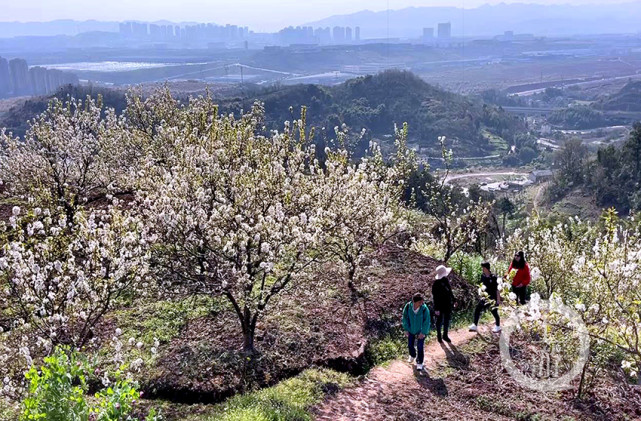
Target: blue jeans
[{"x": 419, "y": 344}]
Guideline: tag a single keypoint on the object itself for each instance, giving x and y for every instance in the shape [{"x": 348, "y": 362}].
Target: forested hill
[{"x": 375, "y": 103}]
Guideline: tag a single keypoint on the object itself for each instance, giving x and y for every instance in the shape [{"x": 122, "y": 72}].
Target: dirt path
[
  {"x": 391, "y": 384},
  {"x": 537, "y": 198}
]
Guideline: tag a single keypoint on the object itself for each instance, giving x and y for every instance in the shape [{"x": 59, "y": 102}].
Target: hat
[{"x": 442, "y": 272}]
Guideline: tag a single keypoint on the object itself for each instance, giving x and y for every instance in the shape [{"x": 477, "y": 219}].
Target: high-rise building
[
  {"x": 428, "y": 34},
  {"x": 38, "y": 79},
  {"x": 125, "y": 29},
  {"x": 445, "y": 30},
  {"x": 19, "y": 77},
  {"x": 155, "y": 32},
  {"x": 139, "y": 29},
  {"x": 5, "y": 78},
  {"x": 357, "y": 33},
  {"x": 348, "y": 34},
  {"x": 339, "y": 34}
]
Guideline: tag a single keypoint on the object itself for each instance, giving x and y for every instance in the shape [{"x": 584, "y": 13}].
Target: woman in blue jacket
[{"x": 416, "y": 322}]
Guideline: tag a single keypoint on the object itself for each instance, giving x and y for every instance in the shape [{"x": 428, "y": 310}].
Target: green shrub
[
  {"x": 468, "y": 266},
  {"x": 58, "y": 392},
  {"x": 387, "y": 348}
]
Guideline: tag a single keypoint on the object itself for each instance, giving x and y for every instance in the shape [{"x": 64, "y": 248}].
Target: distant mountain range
[
  {"x": 64, "y": 27},
  {"x": 488, "y": 20},
  {"x": 53, "y": 28}
]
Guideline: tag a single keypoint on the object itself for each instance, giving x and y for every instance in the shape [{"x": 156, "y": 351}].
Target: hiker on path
[
  {"x": 416, "y": 323},
  {"x": 519, "y": 272},
  {"x": 443, "y": 302},
  {"x": 490, "y": 282}
]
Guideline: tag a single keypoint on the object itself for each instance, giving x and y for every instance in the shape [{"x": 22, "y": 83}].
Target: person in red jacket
[{"x": 522, "y": 277}]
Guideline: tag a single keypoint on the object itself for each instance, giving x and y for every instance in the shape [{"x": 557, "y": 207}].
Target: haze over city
[{"x": 259, "y": 14}]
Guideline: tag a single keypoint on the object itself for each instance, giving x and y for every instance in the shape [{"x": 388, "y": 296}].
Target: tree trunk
[
  {"x": 350, "y": 281},
  {"x": 249, "y": 329},
  {"x": 248, "y": 341},
  {"x": 579, "y": 392},
  {"x": 247, "y": 322}
]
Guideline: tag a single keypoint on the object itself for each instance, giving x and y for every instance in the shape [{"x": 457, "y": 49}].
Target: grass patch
[
  {"x": 387, "y": 348},
  {"x": 288, "y": 400},
  {"x": 498, "y": 143},
  {"x": 164, "y": 319}
]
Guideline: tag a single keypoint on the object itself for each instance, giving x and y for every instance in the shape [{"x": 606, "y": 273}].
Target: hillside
[
  {"x": 378, "y": 102},
  {"x": 173, "y": 258},
  {"x": 375, "y": 103},
  {"x": 627, "y": 99}
]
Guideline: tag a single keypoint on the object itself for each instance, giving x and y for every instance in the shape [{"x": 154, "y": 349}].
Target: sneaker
[
  {"x": 419, "y": 367},
  {"x": 446, "y": 338},
  {"x": 496, "y": 329},
  {"x": 473, "y": 328},
  {"x": 410, "y": 359}
]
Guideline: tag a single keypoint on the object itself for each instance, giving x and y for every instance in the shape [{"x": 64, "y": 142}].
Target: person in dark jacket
[
  {"x": 443, "y": 302},
  {"x": 416, "y": 323},
  {"x": 489, "y": 282}
]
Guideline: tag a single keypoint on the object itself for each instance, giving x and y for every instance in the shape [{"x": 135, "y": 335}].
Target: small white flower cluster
[{"x": 630, "y": 368}]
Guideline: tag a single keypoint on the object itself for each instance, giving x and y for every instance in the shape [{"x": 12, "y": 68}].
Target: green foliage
[
  {"x": 377, "y": 102},
  {"x": 17, "y": 119},
  {"x": 468, "y": 266},
  {"x": 614, "y": 176},
  {"x": 387, "y": 348},
  {"x": 527, "y": 154},
  {"x": 57, "y": 392},
  {"x": 579, "y": 118},
  {"x": 116, "y": 402},
  {"x": 371, "y": 102},
  {"x": 287, "y": 401}
]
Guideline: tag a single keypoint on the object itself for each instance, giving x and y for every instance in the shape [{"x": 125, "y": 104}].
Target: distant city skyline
[{"x": 259, "y": 15}]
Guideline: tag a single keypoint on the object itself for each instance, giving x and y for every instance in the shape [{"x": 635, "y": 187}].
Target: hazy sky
[{"x": 260, "y": 15}]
